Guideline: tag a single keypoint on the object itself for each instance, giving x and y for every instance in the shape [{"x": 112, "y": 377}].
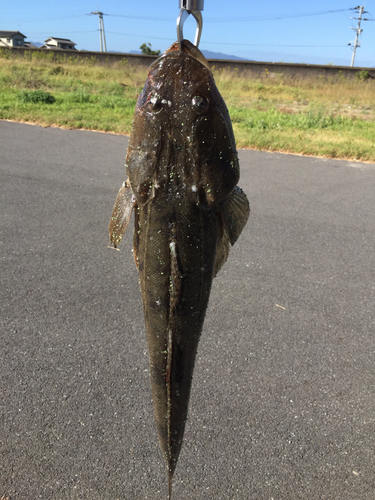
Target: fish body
[{"x": 183, "y": 171}]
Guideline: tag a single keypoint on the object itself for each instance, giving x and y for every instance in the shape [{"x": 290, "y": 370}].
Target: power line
[
  {"x": 232, "y": 20},
  {"x": 276, "y": 17},
  {"x": 278, "y": 45},
  {"x": 271, "y": 17},
  {"x": 46, "y": 33},
  {"x": 143, "y": 18},
  {"x": 141, "y": 36}
]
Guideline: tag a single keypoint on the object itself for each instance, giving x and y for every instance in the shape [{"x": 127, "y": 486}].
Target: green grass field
[{"x": 331, "y": 117}]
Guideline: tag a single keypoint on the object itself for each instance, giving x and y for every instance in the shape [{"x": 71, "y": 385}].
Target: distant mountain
[
  {"x": 208, "y": 54},
  {"x": 219, "y": 55},
  {"x": 37, "y": 44}
]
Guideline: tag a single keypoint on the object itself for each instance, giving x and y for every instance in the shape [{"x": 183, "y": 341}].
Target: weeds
[
  {"x": 325, "y": 116},
  {"x": 79, "y": 96},
  {"x": 37, "y": 96},
  {"x": 328, "y": 116},
  {"x": 363, "y": 75}
]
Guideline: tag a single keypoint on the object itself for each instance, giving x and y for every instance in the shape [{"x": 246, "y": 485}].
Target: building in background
[
  {"x": 12, "y": 39},
  {"x": 30, "y": 45},
  {"x": 58, "y": 43}
]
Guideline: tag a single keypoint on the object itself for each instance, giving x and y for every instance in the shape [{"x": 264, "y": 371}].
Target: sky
[{"x": 272, "y": 31}]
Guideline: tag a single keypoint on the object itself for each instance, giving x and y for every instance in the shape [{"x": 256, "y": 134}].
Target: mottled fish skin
[{"x": 183, "y": 170}]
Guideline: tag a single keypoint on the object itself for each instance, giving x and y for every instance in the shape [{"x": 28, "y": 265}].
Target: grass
[
  {"x": 324, "y": 116},
  {"x": 86, "y": 94}
]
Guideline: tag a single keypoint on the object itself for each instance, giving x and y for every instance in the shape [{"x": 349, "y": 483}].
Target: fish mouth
[{"x": 190, "y": 49}]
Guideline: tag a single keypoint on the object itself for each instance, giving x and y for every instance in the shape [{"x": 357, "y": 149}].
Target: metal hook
[{"x": 196, "y": 6}]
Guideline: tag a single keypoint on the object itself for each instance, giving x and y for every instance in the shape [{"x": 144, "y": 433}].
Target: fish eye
[
  {"x": 155, "y": 103},
  {"x": 200, "y": 104}
]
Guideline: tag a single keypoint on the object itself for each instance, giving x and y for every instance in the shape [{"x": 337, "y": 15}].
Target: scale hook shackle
[{"x": 193, "y": 7}]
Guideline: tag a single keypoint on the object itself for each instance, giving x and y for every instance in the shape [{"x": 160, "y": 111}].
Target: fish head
[
  {"x": 177, "y": 93},
  {"x": 181, "y": 119}
]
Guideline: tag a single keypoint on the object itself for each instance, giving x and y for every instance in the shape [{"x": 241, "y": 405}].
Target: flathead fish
[{"x": 183, "y": 171}]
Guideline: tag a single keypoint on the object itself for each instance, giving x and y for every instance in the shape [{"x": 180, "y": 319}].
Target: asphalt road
[{"x": 283, "y": 400}]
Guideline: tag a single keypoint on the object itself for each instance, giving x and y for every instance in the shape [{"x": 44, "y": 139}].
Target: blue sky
[{"x": 272, "y": 30}]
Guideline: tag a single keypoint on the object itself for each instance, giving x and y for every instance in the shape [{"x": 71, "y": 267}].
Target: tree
[{"x": 146, "y": 49}]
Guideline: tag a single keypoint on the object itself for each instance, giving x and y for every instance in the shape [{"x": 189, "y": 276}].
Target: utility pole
[
  {"x": 358, "y": 30},
  {"x": 101, "y": 30}
]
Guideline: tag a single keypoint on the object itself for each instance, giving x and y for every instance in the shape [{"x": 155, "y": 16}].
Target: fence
[{"x": 252, "y": 67}]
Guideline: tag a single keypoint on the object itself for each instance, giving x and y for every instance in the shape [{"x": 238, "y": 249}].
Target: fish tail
[{"x": 170, "y": 480}]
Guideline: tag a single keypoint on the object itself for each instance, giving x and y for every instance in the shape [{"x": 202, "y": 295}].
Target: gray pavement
[{"x": 283, "y": 400}]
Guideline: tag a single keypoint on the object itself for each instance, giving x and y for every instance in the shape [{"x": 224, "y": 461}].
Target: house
[
  {"x": 12, "y": 39},
  {"x": 58, "y": 43},
  {"x": 30, "y": 45}
]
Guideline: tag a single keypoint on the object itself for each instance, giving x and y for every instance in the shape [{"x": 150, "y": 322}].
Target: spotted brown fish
[{"x": 183, "y": 171}]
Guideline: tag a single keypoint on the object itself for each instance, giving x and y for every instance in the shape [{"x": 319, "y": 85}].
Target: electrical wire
[
  {"x": 272, "y": 17},
  {"x": 275, "y": 17},
  {"x": 138, "y": 35}
]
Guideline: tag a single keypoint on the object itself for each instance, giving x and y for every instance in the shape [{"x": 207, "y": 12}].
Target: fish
[{"x": 183, "y": 170}]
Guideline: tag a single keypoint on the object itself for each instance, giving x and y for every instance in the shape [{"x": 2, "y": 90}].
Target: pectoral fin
[
  {"x": 222, "y": 250},
  {"x": 234, "y": 212},
  {"x": 121, "y": 214}
]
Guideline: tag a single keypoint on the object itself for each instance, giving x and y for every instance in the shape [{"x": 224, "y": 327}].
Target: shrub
[
  {"x": 56, "y": 71},
  {"x": 363, "y": 75},
  {"x": 37, "y": 96},
  {"x": 6, "y": 54}
]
